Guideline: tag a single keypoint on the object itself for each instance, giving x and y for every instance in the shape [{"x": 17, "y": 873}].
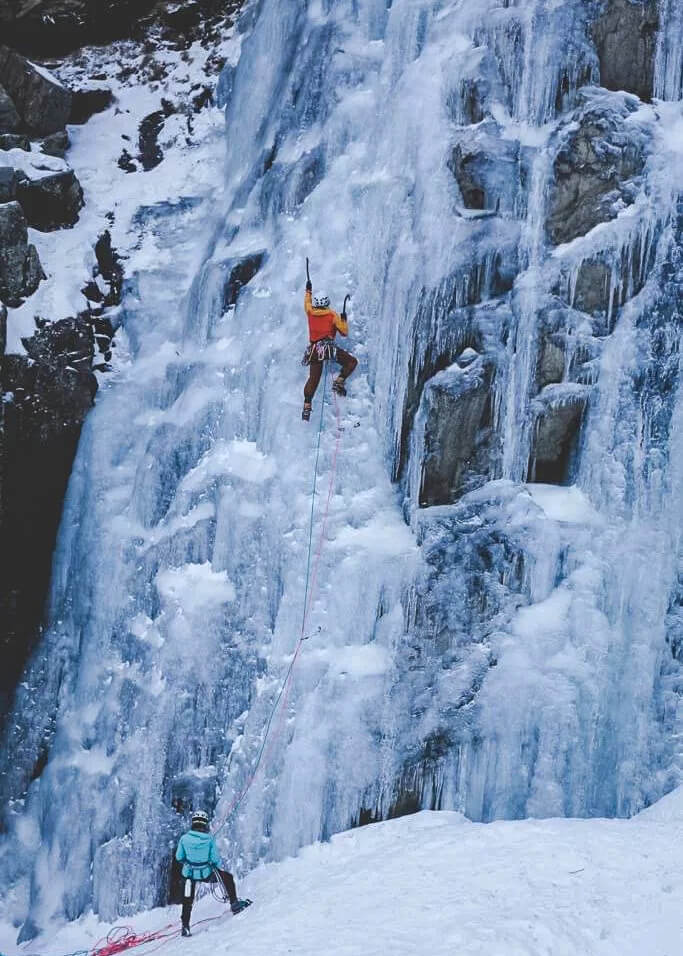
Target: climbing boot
[
  {"x": 186, "y": 931},
  {"x": 338, "y": 385},
  {"x": 239, "y": 905},
  {"x": 306, "y": 414}
]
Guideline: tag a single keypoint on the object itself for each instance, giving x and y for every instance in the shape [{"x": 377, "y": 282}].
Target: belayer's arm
[
  {"x": 213, "y": 854},
  {"x": 180, "y": 852}
]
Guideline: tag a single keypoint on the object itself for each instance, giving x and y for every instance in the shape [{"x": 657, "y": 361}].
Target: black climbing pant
[
  {"x": 189, "y": 888},
  {"x": 315, "y": 371}
]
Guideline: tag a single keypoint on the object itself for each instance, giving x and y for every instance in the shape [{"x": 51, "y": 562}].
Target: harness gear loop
[{"x": 320, "y": 351}]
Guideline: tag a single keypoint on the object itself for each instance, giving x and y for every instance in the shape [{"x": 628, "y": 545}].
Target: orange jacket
[{"x": 323, "y": 323}]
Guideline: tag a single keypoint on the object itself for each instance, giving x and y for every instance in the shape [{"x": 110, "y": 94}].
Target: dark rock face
[
  {"x": 46, "y": 28},
  {"x": 110, "y": 268},
  {"x": 556, "y": 439},
  {"x": 54, "y": 27},
  {"x": 551, "y": 362},
  {"x": 51, "y": 202},
  {"x": 46, "y": 395},
  {"x": 602, "y": 287},
  {"x": 241, "y": 273},
  {"x": 8, "y": 184},
  {"x": 86, "y": 102},
  {"x": 43, "y": 104},
  {"x": 20, "y": 268},
  {"x": 55, "y": 145},
  {"x": 150, "y": 151},
  {"x": 14, "y": 141},
  {"x": 594, "y": 172},
  {"x": 626, "y": 40},
  {"x": 457, "y": 433},
  {"x": 592, "y": 289},
  {"x": 9, "y": 118}
]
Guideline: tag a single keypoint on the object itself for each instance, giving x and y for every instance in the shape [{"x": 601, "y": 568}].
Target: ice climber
[
  {"x": 199, "y": 856},
  {"x": 323, "y": 325}
]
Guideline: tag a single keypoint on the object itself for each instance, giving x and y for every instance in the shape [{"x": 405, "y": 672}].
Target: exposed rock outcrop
[
  {"x": 558, "y": 423},
  {"x": 87, "y": 102},
  {"x": 626, "y": 40},
  {"x": 56, "y": 144},
  {"x": 150, "y": 152},
  {"x": 20, "y": 268},
  {"x": 8, "y": 184},
  {"x": 42, "y": 102},
  {"x": 241, "y": 273},
  {"x": 457, "y": 432},
  {"x": 14, "y": 141},
  {"x": 54, "y": 27},
  {"x": 51, "y": 202},
  {"x": 9, "y": 118},
  {"x": 551, "y": 361},
  {"x": 595, "y": 169},
  {"x": 45, "y": 397}
]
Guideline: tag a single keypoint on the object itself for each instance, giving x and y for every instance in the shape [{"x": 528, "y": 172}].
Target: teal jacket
[{"x": 198, "y": 854}]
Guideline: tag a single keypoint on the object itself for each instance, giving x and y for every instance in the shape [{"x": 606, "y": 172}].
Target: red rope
[{"x": 122, "y": 938}]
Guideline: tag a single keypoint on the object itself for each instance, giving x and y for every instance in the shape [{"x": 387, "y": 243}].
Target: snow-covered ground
[{"x": 434, "y": 883}]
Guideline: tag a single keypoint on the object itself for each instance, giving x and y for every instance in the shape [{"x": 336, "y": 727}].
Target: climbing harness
[{"x": 320, "y": 351}]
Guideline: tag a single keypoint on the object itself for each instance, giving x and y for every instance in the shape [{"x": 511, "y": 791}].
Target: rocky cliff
[{"x": 60, "y": 343}]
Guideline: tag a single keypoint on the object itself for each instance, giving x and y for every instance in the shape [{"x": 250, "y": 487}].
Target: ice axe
[{"x": 346, "y": 299}]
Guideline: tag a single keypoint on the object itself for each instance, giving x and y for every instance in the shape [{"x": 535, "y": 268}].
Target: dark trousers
[
  {"x": 222, "y": 875},
  {"x": 315, "y": 371}
]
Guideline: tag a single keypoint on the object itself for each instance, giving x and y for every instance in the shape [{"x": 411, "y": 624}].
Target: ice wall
[{"x": 497, "y": 577}]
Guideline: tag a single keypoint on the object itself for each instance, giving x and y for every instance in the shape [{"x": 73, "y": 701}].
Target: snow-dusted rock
[
  {"x": 20, "y": 268},
  {"x": 626, "y": 39},
  {"x": 52, "y": 201},
  {"x": 14, "y": 141},
  {"x": 595, "y": 169},
  {"x": 56, "y": 144},
  {"x": 41, "y": 101}
]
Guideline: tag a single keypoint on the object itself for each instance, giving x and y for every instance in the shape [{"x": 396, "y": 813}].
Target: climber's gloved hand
[{"x": 309, "y": 286}]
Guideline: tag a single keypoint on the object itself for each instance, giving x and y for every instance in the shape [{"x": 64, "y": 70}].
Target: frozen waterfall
[{"x": 496, "y": 625}]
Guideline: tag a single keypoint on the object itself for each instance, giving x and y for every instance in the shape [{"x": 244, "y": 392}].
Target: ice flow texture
[{"x": 479, "y": 643}]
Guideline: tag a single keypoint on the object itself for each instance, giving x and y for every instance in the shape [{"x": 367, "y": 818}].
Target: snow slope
[{"x": 434, "y": 883}]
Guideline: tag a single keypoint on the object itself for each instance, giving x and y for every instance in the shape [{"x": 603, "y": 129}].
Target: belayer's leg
[
  {"x": 348, "y": 363},
  {"x": 188, "y": 900},
  {"x": 229, "y": 884},
  {"x": 315, "y": 370}
]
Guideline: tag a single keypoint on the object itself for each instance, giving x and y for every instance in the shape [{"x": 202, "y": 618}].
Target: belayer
[
  {"x": 323, "y": 325},
  {"x": 199, "y": 856}
]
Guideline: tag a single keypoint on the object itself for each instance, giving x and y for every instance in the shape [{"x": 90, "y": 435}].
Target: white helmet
[
  {"x": 321, "y": 301},
  {"x": 200, "y": 820}
]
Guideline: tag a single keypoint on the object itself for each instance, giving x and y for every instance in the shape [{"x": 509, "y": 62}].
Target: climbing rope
[
  {"x": 122, "y": 938},
  {"x": 309, "y": 591}
]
